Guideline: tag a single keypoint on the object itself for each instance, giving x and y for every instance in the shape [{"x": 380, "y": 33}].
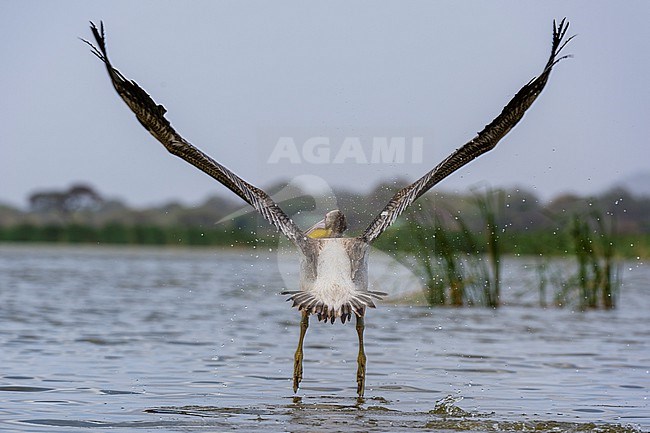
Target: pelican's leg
[
  {"x": 297, "y": 364},
  {"x": 361, "y": 359}
]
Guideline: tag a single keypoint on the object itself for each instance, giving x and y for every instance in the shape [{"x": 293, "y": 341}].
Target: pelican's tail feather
[{"x": 329, "y": 311}]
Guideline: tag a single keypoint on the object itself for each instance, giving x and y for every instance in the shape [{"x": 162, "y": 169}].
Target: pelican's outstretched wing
[
  {"x": 152, "y": 117},
  {"x": 486, "y": 140}
]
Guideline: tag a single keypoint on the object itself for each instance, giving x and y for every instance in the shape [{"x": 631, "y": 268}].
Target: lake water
[{"x": 142, "y": 339}]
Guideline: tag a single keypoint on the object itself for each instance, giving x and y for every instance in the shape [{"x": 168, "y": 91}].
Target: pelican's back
[{"x": 334, "y": 279}]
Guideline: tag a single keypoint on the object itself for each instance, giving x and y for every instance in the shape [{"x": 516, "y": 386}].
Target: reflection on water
[{"x": 178, "y": 339}]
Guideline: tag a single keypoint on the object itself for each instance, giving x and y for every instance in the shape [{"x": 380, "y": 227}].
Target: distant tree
[
  {"x": 523, "y": 211},
  {"x": 46, "y": 201},
  {"x": 567, "y": 204},
  {"x": 78, "y": 197},
  {"x": 81, "y": 197}
]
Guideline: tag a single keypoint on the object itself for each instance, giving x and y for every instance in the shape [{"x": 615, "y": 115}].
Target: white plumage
[
  {"x": 333, "y": 284},
  {"x": 334, "y": 279}
]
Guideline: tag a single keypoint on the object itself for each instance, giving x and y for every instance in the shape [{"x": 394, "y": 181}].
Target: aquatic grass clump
[
  {"x": 597, "y": 280},
  {"x": 451, "y": 257},
  {"x": 458, "y": 254},
  {"x": 490, "y": 206}
]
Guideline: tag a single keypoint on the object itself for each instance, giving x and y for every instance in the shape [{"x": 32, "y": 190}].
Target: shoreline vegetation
[
  {"x": 454, "y": 242},
  {"x": 402, "y": 240},
  {"x": 460, "y": 265},
  {"x": 521, "y": 223}
]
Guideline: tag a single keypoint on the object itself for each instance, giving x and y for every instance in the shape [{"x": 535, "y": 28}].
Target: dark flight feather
[
  {"x": 485, "y": 141},
  {"x": 152, "y": 117}
]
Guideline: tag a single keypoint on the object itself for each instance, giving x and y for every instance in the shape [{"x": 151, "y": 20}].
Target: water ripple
[{"x": 164, "y": 340}]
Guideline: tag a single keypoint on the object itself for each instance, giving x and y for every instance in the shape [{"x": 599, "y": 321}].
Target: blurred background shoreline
[{"x": 81, "y": 214}]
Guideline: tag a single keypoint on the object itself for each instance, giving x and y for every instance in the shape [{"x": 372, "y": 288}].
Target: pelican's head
[{"x": 332, "y": 226}]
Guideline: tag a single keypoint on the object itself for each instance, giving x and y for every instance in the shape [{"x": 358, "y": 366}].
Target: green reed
[
  {"x": 437, "y": 264},
  {"x": 596, "y": 281},
  {"x": 490, "y": 205},
  {"x": 459, "y": 265}
]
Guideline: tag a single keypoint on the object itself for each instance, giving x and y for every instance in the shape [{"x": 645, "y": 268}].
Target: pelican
[{"x": 333, "y": 268}]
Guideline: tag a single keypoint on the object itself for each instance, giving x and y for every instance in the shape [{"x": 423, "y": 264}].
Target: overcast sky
[{"x": 275, "y": 90}]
